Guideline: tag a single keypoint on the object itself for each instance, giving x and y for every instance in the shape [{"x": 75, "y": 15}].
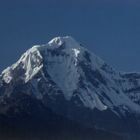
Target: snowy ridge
[
  {"x": 75, "y": 71},
  {"x": 30, "y": 63}
]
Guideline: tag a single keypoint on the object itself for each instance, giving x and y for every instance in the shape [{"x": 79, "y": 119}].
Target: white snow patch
[
  {"x": 30, "y": 62},
  {"x": 56, "y": 42},
  {"x": 64, "y": 73},
  {"x": 76, "y": 52}
]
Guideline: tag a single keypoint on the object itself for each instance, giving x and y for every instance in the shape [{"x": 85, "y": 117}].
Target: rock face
[{"x": 72, "y": 82}]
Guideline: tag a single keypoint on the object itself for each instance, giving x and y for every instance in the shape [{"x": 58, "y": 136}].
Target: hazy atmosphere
[{"x": 111, "y": 28}]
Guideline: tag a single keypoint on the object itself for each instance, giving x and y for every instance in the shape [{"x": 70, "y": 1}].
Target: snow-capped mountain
[{"x": 74, "y": 82}]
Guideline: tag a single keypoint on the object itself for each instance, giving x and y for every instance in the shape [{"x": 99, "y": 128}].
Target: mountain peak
[
  {"x": 67, "y": 40},
  {"x": 71, "y": 80},
  {"x": 31, "y": 61},
  {"x": 73, "y": 69}
]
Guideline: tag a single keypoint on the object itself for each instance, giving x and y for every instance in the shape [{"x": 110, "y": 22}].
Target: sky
[{"x": 109, "y": 28}]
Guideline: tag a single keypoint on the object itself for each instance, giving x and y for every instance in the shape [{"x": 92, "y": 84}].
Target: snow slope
[{"x": 71, "y": 70}]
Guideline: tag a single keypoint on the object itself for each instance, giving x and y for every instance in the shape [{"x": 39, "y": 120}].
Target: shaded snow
[{"x": 60, "y": 58}]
